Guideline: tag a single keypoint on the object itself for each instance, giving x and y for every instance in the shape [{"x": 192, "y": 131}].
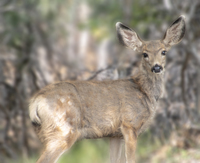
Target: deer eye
[
  {"x": 163, "y": 52},
  {"x": 145, "y": 55}
]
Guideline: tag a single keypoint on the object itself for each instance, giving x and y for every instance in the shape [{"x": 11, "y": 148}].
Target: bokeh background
[{"x": 45, "y": 41}]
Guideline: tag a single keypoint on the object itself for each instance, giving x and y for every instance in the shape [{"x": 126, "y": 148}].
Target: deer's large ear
[
  {"x": 175, "y": 32},
  {"x": 128, "y": 37}
]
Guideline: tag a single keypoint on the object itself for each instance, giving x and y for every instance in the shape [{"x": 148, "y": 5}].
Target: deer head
[{"x": 154, "y": 52}]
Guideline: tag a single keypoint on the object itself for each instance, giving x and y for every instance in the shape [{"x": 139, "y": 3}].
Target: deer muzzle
[{"x": 157, "y": 68}]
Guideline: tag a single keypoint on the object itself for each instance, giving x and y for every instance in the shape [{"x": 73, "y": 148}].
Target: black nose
[{"x": 157, "y": 68}]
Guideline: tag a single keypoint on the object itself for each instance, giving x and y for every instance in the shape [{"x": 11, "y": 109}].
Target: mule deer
[{"x": 67, "y": 111}]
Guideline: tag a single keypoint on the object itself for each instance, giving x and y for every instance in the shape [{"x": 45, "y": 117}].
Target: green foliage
[
  {"x": 49, "y": 8},
  {"x": 16, "y": 32},
  {"x": 105, "y": 14},
  {"x": 19, "y": 22}
]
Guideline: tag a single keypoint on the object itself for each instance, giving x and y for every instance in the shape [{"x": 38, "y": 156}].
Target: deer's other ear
[
  {"x": 175, "y": 32},
  {"x": 128, "y": 37}
]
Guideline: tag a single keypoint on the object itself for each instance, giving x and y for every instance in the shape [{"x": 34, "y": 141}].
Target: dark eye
[
  {"x": 145, "y": 55},
  {"x": 164, "y": 52}
]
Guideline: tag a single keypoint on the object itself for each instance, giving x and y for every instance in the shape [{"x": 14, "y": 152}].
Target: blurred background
[{"x": 45, "y": 41}]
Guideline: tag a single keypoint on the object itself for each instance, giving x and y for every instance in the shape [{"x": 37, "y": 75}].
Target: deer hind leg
[
  {"x": 55, "y": 148},
  {"x": 56, "y": 144},
  {"x": 58, "y": 134}
]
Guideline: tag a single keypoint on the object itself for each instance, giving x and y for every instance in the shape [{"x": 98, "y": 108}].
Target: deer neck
[{"x": 150, "y": 83}]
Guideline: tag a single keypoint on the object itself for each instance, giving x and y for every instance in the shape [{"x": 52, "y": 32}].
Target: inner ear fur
[
  {"x": 128, "y": 37},
  {"x": 175, "y": 32}
]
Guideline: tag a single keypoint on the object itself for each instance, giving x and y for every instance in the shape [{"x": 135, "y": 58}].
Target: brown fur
[{"x": 68, "y": 111}]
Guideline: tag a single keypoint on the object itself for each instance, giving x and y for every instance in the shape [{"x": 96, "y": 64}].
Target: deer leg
[
  {"x": 130, "y": 138},
  {"x": 54, "y": 148},
  {"x": 116, "y": 151},
  {"x": 52, "y": 155}
]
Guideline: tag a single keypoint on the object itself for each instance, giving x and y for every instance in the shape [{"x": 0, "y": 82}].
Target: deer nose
[{"x": 157, "y": 68}]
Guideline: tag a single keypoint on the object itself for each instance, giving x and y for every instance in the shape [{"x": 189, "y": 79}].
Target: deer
[{"x": 68, "y": 111}]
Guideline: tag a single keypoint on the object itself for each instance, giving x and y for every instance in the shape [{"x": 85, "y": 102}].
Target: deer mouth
[{"x": 157, "y": 69}]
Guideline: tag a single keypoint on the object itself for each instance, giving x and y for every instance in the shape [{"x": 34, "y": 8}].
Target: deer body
[{"x": 68, "y": 111}]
